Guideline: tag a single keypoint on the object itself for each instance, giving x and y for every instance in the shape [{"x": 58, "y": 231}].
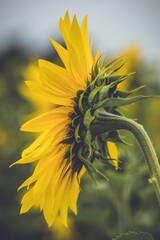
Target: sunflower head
[
  {"x": 85, "y": 93},
  {"x": 100, "y": 96}
]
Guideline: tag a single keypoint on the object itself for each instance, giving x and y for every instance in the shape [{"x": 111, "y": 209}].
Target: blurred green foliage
[
  {"x": 126, "y": 203},
  {"x": 134, "y": 235}
]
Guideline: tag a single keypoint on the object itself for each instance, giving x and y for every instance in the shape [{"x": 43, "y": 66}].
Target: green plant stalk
[{"x": 107, "y": 122}]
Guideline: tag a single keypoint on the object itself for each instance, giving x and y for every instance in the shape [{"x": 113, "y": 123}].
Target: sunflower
[{"x": 72, "y": 136}]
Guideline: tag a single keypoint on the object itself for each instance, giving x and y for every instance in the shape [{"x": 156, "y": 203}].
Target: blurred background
[{"x": 126, "y": 27}]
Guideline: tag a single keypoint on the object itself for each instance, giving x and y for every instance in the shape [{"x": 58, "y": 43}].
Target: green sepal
[
  {"x": 125, "y": 94},
  {"x": 118, "y": 102},
  {"x": 118, "y": 68},
  {"x": 103, "y": 93},
  {"x": 110, "y": 67},
  {"x": 115, "y": 137},
  {"x": 102, "y": 158},
  {"x": 95, "y": 69},
  {"x": 117, "y": 79},
  {"x": 91, "y": 169},
  {"x": 93, "y": 94},
  {"x": 113, "y": 63},
  {"x": 74, "y": 120},
  {"x": 80, "y": 102},
  {"x": 107, "y": 69},
  {"x": 87, "y": 144},
  {"x": 71, "y": 153},
  {"x": 76, "y": 134},
  {"x": 88, "y": 118}
]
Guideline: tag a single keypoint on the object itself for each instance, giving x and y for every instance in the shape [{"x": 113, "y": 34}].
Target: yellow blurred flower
[
  {"x": 60, "y": 232},
  {"x": 132, "y": 57},
  {"x": 153, "y": 122}
]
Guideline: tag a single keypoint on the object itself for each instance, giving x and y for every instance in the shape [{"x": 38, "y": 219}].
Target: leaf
[{"x": 134, "y": 236}]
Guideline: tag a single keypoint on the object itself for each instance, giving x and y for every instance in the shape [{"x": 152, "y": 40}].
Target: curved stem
[{"x": 107, "y": 122}]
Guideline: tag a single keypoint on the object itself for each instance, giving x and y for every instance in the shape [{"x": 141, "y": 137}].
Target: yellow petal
[
  {"x": 47, "y": 120},
  {"x": 76, "y": 68},
  {"x": 27, "y": 182},
  {"x": 47, "y": 205},
  {"x": 75, "y": 189},
  {"x": 64, "y": 26},
  {"x": 75, "y": 39},
  {"x": 113, "y": 153},
  {"x": 74, "y": 193},
  {"x": 59, "y": 195},
  {"x": 87, "y": 47},
  {"x": 65, "y": 202},
  {"x": 62, "y": 52},
  {"x": 50, "y": 170},
  {"x": 51, "y": 94},
  {"x": 27, "y": 201},
  {"x": 58, "y": 77}
]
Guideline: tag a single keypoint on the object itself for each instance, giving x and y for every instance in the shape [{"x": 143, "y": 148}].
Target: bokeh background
[{"x": 126, "y": 27}]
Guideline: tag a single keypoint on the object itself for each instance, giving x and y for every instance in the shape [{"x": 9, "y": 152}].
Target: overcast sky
[{"x": 114, "y": 24}]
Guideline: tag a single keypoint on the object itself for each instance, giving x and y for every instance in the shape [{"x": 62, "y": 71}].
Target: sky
[{"x": 114, "y": 24}]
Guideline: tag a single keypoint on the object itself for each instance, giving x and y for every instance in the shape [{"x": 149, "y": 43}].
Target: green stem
[{"x": 105, "y": 122}]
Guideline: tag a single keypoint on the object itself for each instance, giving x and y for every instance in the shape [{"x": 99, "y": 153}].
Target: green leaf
[{"x": 134, "y": 236}]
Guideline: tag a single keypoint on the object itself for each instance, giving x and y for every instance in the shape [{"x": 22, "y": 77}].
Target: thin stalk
[{"x": 107, "y": 122}]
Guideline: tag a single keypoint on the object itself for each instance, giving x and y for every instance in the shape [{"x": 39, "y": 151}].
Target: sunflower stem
[{"x": 105, "y": 122}]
